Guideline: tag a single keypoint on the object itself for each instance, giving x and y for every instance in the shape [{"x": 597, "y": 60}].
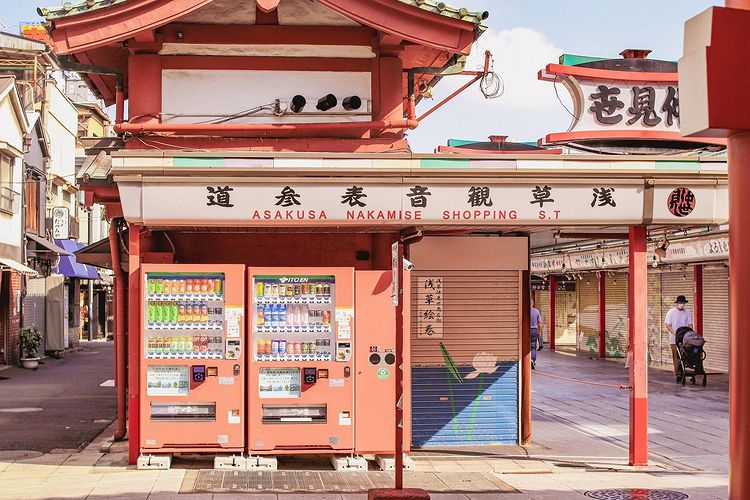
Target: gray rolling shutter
[
  {"x": 588, "y": 314},
  {"x": 616, "y": 315},
  {"x": 543, "y": 304},
  {"x": 452, "y": 404},
  {"x": 716, "y": 318},
  {"x": 34, "y": 307},
  {"x": 658, "y": 350}
]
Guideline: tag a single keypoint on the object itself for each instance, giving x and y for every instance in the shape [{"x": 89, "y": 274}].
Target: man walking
[
  {"x": 536, "y": 339},
  {"x": 677, "y": 317}
]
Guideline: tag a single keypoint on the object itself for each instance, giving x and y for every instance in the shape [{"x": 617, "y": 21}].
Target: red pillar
[
  {"x": 698, "y": 305},
  {"x": 602, "y": 314},
  {"x": 552, "y": 315},
  {"x": 390, "y": 91},
  {"x": 637, "y": 346},
  {"x": 739, "y": 330},
  {"x": 134, "y": 344}
]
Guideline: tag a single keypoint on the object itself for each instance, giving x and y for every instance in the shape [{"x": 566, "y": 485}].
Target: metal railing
[{"x": 9, "y": 201}]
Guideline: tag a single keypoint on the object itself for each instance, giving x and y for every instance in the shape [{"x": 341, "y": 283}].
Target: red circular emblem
[{"x": 681, "y": 202}]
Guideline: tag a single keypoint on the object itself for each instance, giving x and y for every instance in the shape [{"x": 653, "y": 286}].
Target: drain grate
[
  {"x": 289, "y": 481},
  {"x": 635, "y": 494}
]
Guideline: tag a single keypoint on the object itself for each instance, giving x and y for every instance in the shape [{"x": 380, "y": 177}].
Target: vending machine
[
  {"x": 301, "y": 380},
  {"x": 193, "y": 359}
]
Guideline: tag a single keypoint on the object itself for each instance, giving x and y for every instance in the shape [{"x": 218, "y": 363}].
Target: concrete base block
[
  {"x": 387, "y": 462},
  {"x": 261, "y": 462},
  {"x": 394, "y": 494},
  {"x": 349, "y": 463},
  {"x": 233, "y": 462},
  {"x": 154, "y": 462}
]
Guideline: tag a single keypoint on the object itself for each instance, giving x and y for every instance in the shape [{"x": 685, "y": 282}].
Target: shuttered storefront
[
  {"x": 34, "y": 307},
  {"x": 542, "y": 302},
  {"x": 658, "y": 349},
  {"x": 616, "y": 315},
  {"x": 465, "y": 385},
  {"x": 566, "y": 320},
  {"x": 588, "y": 314},
  {"x": 716, "y": 318}
]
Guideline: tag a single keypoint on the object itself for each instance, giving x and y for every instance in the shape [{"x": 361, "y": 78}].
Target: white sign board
[
  {"x": 60, "y": 223},
  {"x": 279, "y": 383},
  {"x": 167, "y": 380}
]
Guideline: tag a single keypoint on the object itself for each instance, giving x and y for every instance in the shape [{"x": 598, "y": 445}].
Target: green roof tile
[{"x": 82, "y": 6}]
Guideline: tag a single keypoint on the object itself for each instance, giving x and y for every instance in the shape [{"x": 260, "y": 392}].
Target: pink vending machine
[
  {"x": 301, "y": 379},
  {"x": 192, "y": 364}
]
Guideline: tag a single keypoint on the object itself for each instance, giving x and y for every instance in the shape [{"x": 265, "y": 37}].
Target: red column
[
  {"x": 638, "y": 312},
  {"x": 390, "y": 92},
  {"x": 552, "y": 315},
  {"x": 739, "y": 330},
  {"x": 399, "y": 378},
  {"x": 134, "y": 344},
  {"x": 602, "y": 314},
  {"x": 698, "y": 305}
]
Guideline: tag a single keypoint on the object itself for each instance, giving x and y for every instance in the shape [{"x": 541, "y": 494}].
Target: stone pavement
[{"x": 580, "y": 444}]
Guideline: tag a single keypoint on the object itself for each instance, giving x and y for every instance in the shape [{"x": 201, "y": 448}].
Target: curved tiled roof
[{"x": 79, "y": 7}]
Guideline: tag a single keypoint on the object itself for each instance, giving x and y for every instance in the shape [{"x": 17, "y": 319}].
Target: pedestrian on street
[
  {"x": 677, "y": 317},
  {"x": 537, "y": 342}
]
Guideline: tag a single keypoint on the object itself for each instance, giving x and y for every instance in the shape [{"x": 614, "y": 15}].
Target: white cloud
[{"x": 527, "y": 110}]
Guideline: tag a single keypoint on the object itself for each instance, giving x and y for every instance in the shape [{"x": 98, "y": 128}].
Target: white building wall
[
  {"x": 61, "y": 122},
  {"x": 12, "y": 134}
]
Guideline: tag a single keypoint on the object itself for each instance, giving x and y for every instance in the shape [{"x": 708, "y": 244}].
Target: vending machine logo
[{"x": 293, "y": 279}]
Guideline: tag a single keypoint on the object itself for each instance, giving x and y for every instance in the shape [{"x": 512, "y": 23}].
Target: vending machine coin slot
[
  {"x": 236, "y": 370},
  {"x": 199, "y": 373},
  {"x": 347, "y": 372},
  {"x": 310, "y": 375}
]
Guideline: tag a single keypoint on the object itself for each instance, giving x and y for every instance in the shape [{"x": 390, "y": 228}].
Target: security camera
[{"x": 408, "y": 266}]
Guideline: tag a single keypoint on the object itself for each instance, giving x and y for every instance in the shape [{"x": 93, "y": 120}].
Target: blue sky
[{"x": 523, "y": 35}]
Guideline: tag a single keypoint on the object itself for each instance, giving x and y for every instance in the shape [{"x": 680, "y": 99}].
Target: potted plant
[{"x": 31, "y": 339}]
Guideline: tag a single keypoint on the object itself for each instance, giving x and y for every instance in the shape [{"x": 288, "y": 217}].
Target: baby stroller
[{"x": 691, "y": 355}]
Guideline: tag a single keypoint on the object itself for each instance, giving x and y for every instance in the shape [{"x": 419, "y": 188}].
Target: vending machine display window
[
  {"x": 167, "y": 380},
  {"x": 185, "y": 316},
  {"x": 294, "y": 318},
  {"x": 279, "y": 383}
]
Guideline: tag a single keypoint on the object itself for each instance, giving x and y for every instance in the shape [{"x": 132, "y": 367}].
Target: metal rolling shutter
[
  {"x": 34, "y": 307},
  {"x": 716, "y": 318},
  {"x": 566, "y": 323},
  {"x": 543, "y": 303},
  {"x": 481, "y": 315},
  {"x": 616, "y": 315},
  {"x": 658, "y": 350},
  {"x": 588, "y": 314}
]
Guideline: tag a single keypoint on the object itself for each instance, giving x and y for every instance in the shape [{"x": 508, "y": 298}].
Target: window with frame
[{"x": 7, "y": 193}]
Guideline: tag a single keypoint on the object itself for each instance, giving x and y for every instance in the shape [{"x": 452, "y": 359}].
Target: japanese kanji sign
[
  {"x": 429, "y": 294},
  {"x": 416, "y": 202}
]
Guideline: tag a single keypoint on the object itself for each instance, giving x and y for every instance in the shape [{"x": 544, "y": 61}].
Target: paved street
[
  {"x": 61, "y": 405},
  {"x": 580, "y": 444}
]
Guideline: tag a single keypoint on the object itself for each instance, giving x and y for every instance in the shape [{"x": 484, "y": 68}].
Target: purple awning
[{"x": 69, "y": 266}]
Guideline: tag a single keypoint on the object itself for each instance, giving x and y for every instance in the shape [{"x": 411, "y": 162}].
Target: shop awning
[
  {"x": 96, "y": 254},
  {"x": 17, "y": 266},
  {"x": 69, "y": 266},
  {"x": 46, "y": 245}
]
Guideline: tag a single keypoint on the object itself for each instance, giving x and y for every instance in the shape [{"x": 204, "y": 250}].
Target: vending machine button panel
[
  {"x": 199, "y": 373},
  {"x": 310, "y": 375}
]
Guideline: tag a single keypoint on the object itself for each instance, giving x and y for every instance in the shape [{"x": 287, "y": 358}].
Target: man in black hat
[{"x": 677, "y": 317}]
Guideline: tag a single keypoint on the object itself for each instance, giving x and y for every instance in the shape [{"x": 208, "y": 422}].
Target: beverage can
[
  {"x": 217, "y": 286},
  {"x": 303, "y": 348},
  {"x": 311, "y": 347},
  {"x": 297, "y": 290},
  {"x": 290, "y": 290},
  {"x": 204, "y": 313},
  {"x": 274, "y": 347},
  {"x": 189, "y": 284},
  {"x": 282, "y": 346},
  {"x": 259, "y": 289}
]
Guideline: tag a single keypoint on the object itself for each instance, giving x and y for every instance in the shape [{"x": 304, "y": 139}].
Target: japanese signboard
[
  {"x": 60, "y": 223},
  {"x": 629, "y": 105},
  {"x": 429, "y": 294},
  {"x": 402, "y": 202},
  {"x": 394, "y": 270}
]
